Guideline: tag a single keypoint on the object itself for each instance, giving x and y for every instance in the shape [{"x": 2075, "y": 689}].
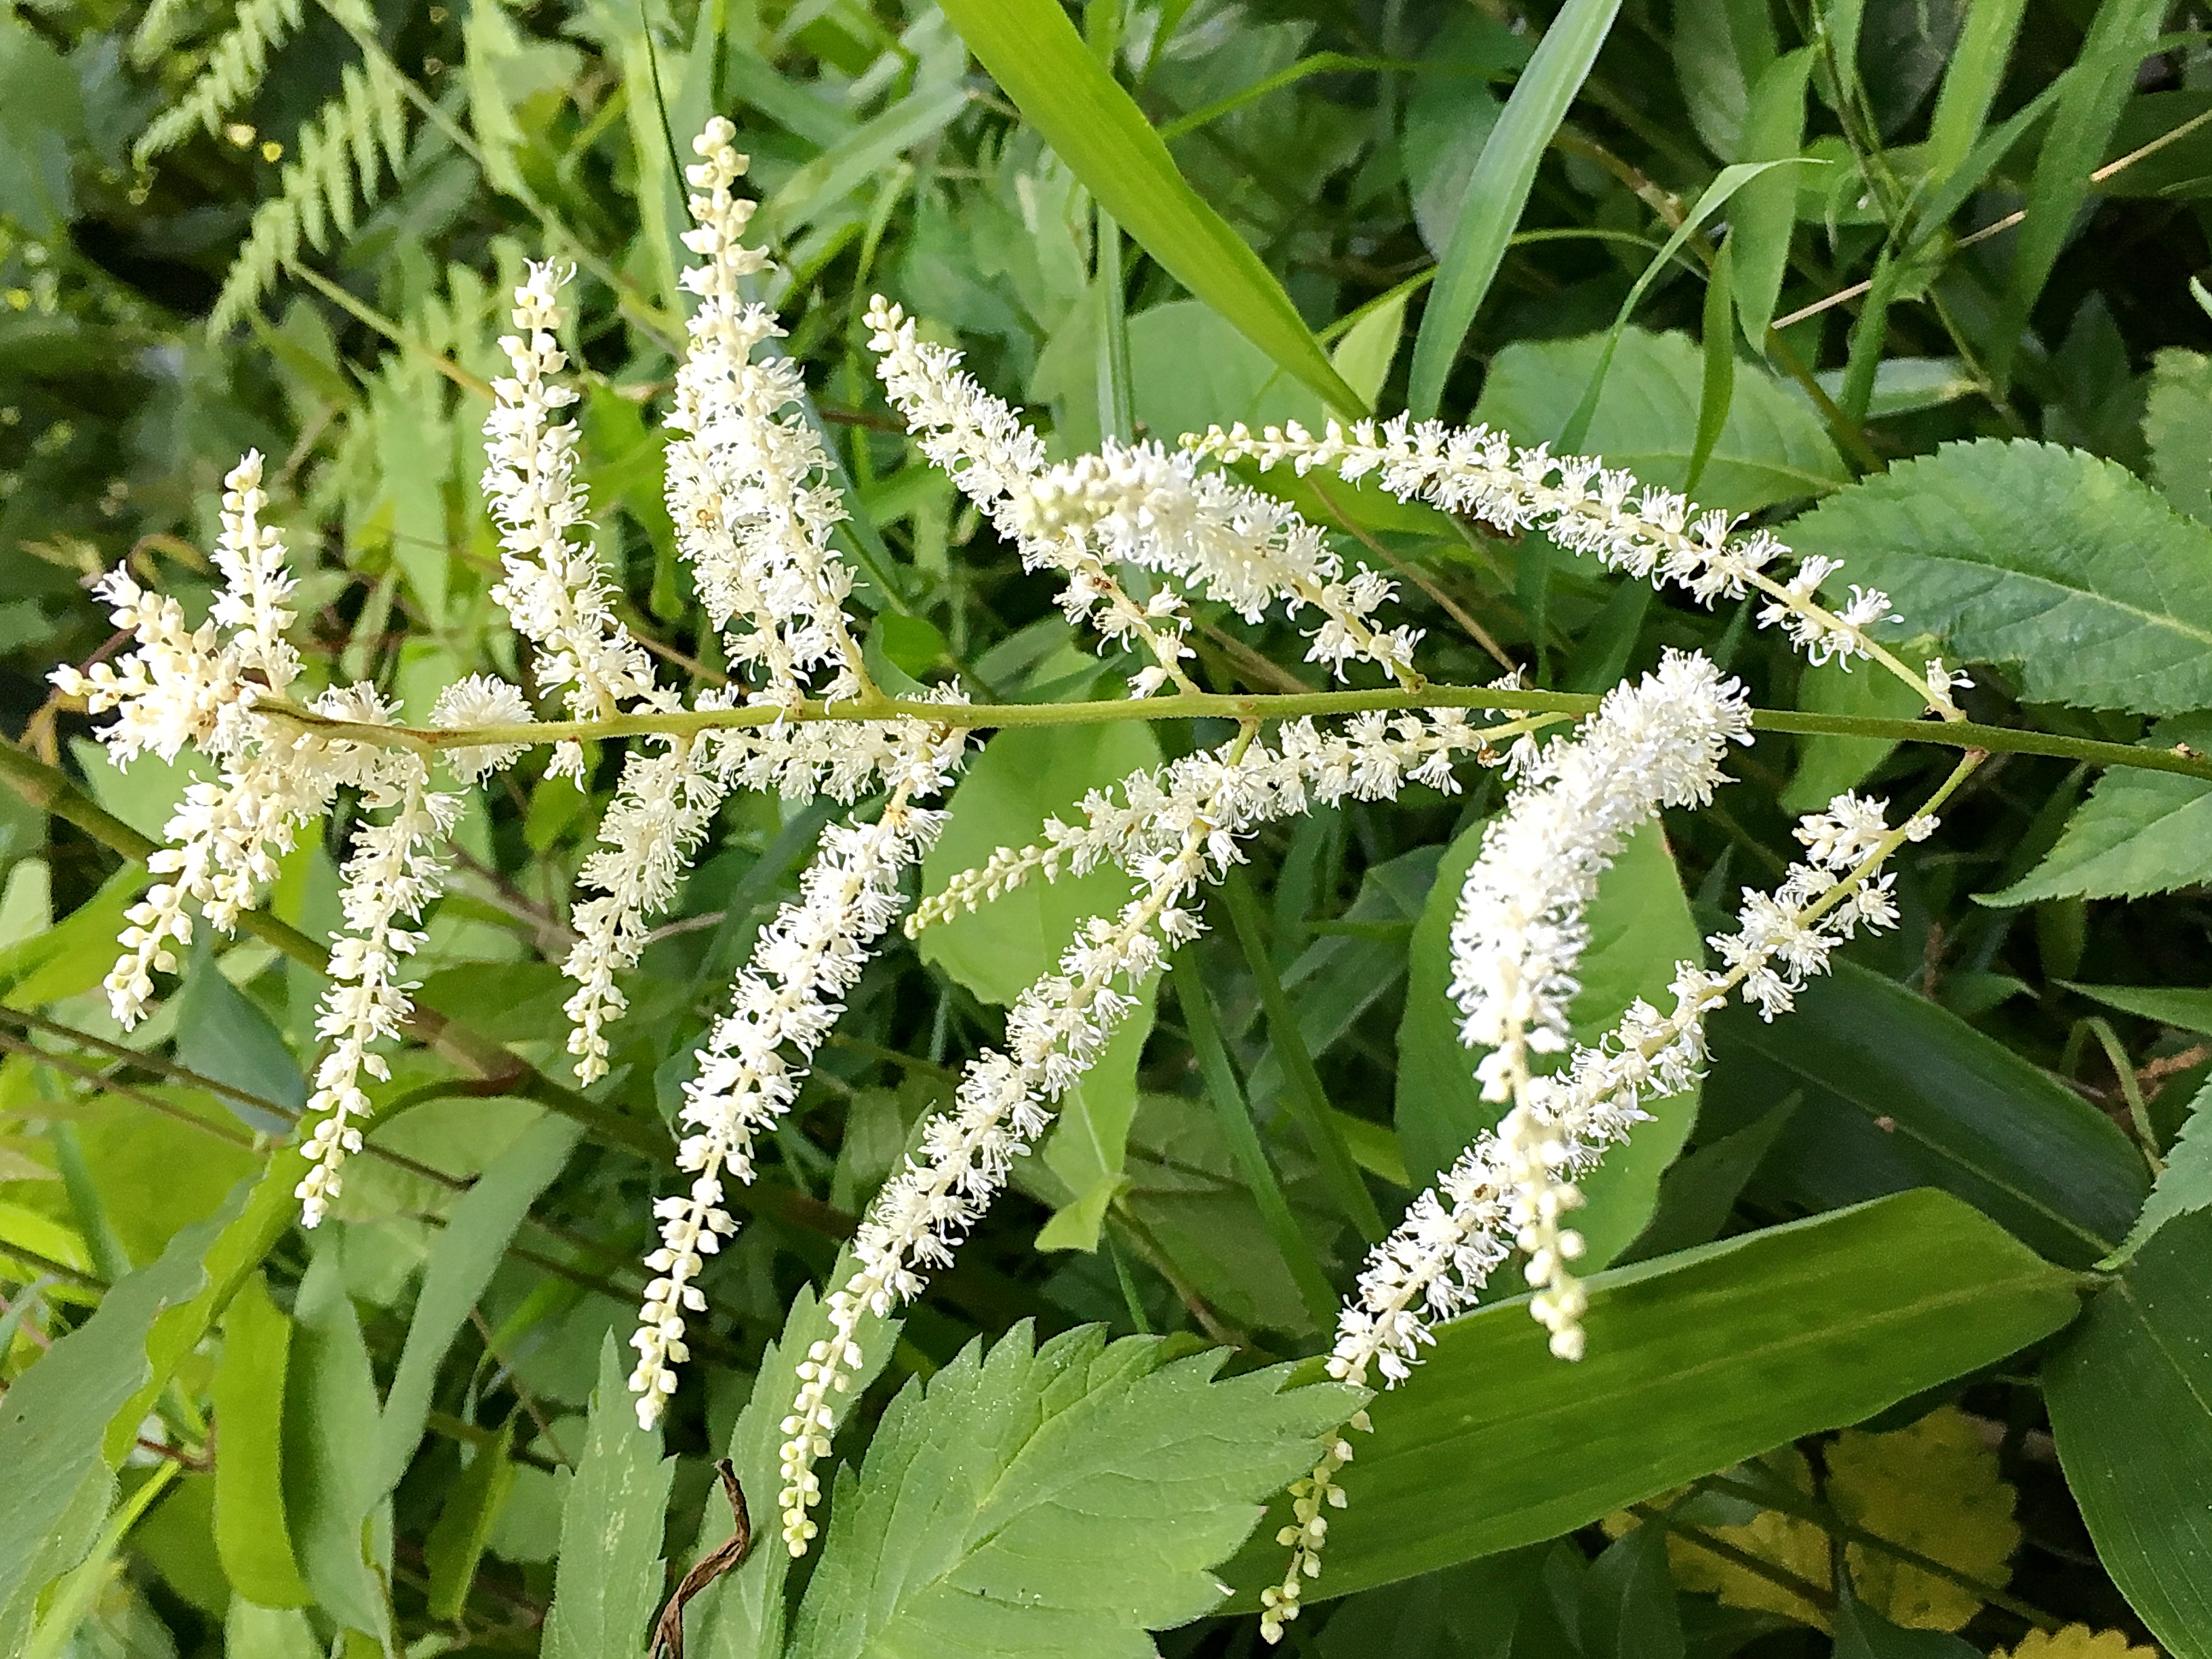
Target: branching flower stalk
[
  {"x": 1457, "y": 1233},
  {"x": 750, "y": 490}
]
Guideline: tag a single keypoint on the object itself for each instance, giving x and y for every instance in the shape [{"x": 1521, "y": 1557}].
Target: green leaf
[
  {"x": 609, "y": 1577},
  {"x": 1696, "y": 1362},
  {"x": 1862, "y": 1633},
  {"x": 2180, "y": 1006},
  {"x": 2065, "y": 567},
  {"x": 2130, "y": 1400},
  {"x": 1468, "y": 1611},
  {"x": 463, "y": 1527},
  {"x": 2138, "y": 833},
  {"x": 54, "y": 1417},
  {"x": 257, "y": 1633},
  {"x": 75, "y": 954},
  {"x": 1054, "y": 1500},
  {"x": 330, "y": 1417},
  {"x": 741, "y": 1615},
  {"x": 1021, "y": 778},
  {"x": 1640, "y": 927},
  {"x": 1826, "y": 766},
  {"x": 1189, "y": 369},
  {"x": 461, "y": 1265},
  {"x": 1969, "y": 85},
  {"x": 1498, "y": 192},
  {"x": 1628, "y": 1606},
  {"x": 251, "y": 1535},
  {"x": 1032, "y": 51},
  {"x": 223, "y": 1035},
  {"x": 1899, "y": 1092},
  {"x": 2177, "y": 427},
  {"x": 2184, "y": 1186},
  {"x": 1772, "y": 448},
  {"x": 1449, "y": 116}
]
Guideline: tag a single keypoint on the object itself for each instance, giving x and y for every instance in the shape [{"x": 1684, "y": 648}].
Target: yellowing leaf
[
  {"x": 2076, "y": 1642},
  {"x": 1933, "y": 1486}
]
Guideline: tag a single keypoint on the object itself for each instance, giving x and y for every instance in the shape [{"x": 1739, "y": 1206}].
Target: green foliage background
[{"x": 1913, "y": 279}]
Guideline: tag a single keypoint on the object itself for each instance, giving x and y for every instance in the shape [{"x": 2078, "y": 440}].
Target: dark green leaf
[
  {"x": 2131, "y": 1400},
  {"x": 456, "y": 1544},
  {"x": 1628, "y": 1606},
  {"x": 2061, "y": 566},
  {"x": 1899, "y": 1092},
  {"x": 1696, "y": 1361},
  {"x": 1862, "y": 1633},
  {"x": 223, "y": 1035}
]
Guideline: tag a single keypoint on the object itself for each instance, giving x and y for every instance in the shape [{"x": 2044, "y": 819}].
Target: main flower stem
[{"x": 1234, "y": 706}]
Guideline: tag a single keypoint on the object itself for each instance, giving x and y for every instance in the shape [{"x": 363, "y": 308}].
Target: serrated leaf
[
  {"x": 1055, "y": 1500},
  {"x": 2138, "y": 833},
  {"x": 1640, "y": 927},
  {"x": 2066, "y": 570},
  {"x": 1696, "y": 1361},
  {"x": 608, "y": 1579},
  {"x": 2177, "y": 427},
  {"x": 2185, "y": 1185},
  {"x": 741, "y": 1615},
  {"x": 2131, "y": 1401},
  {"x": 1771, "y": 449},
  {"x": 2074, "y": 1642}
]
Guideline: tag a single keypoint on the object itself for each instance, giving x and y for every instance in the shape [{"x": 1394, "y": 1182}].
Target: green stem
[
  {"x": 1308, "y": 1100},
  {"x": 1212, "y": 705}
]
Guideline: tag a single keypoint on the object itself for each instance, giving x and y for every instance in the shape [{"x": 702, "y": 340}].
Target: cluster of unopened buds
[{"x": 750, "y": 493}]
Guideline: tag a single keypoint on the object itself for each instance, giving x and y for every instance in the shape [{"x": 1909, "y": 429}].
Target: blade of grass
[
  {"x": 1718, "y": 389},
  {"x": 1034, "y": 52},
  {"x": 1730, "y": 180},
  {"x": 1765, "y": 214},
  {"x": 1236, "y": 1119},
  {"x": 1307, "y": 1099},
  {"x": 1969, "y": 85},
  {"x": 1118, "y": 404},
  {"x": 1498, "y": 191},
  {"x": 2105, "y": 79}
]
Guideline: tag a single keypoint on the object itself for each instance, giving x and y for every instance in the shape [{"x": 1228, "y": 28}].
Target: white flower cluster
[
  {"x": 981, "y": 443},
  {"x": 1519, "y": 932},
  {"x": 748, "y": 482},
  {"x": 552, "y": 586},
  {"x": 1585, "y": 507},
  {"x": 1159, "y": 512},
  {"x": 786, "y": 998},
  {"x": 1057, "y": 1027},
  {"x": 1508, "y": 1188},
  {"x": 1371, "y": 757}
]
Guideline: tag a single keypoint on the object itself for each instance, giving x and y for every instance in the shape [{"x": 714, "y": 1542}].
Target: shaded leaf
[{"x": 2177, "y": 426}]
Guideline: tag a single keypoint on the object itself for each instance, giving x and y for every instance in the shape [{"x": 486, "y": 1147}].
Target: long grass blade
[
  {"x": 1034, "y": 52},
  {"x": 1498, "y": 191}
]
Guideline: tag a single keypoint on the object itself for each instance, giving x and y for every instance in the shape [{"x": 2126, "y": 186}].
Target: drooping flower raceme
[
  {"x": 1588, "y": 507},
  {"x": 981, "y": 444},
  {"x": 1056, "y": 1028},
  {"x": 1520, "y": 930},
  {"x": 1454, "y": 1234}
]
